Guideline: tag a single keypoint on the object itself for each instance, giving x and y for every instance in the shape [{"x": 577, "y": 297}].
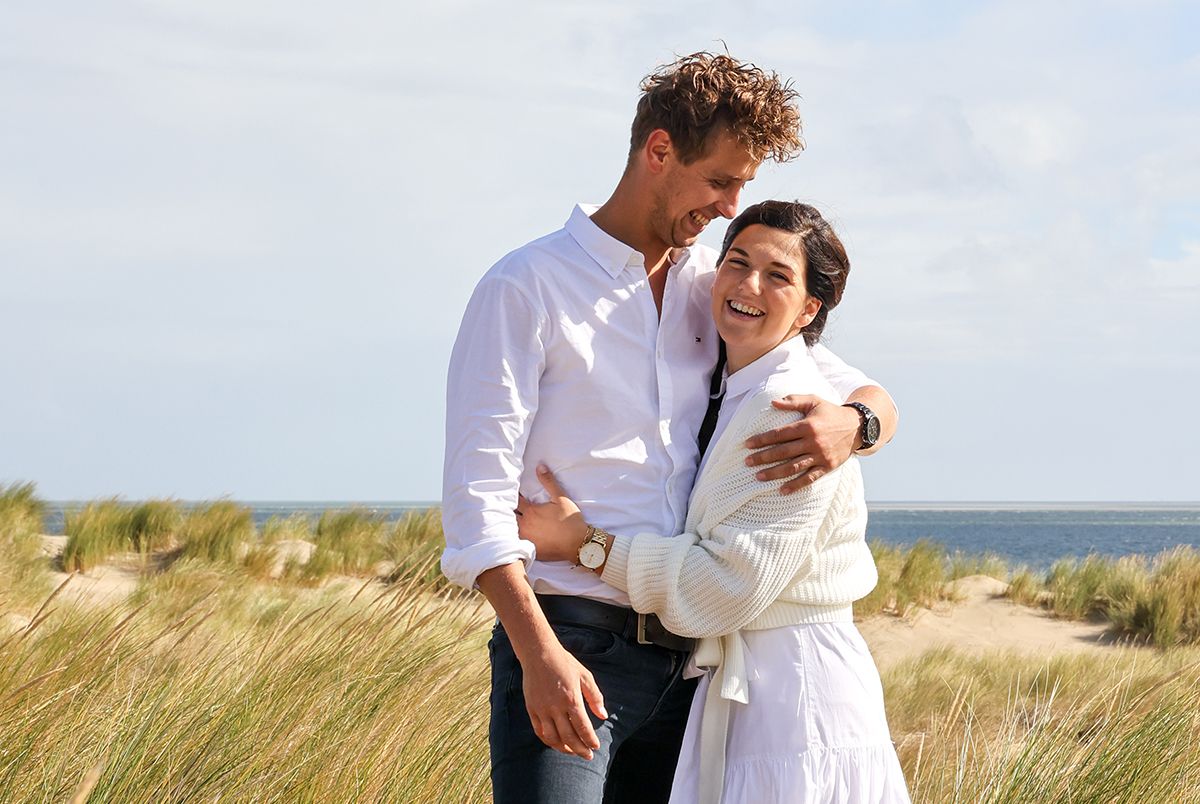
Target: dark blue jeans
[{"x": 647, "y": 700}]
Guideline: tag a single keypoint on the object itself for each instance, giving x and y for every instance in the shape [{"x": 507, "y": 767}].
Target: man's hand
[
  {"x": 556, "y": 528},
  {"x": 556, "y": 686},
  {"x": 809, "y": 448}
]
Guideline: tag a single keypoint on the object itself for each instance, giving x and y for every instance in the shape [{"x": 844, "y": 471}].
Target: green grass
[
  {"x": 216, "y": 531},
  {"x": 208, "y": 690},
  {"x": 154, "y": 525},
  {"x": 1153, "y": 600},
  {"x": 1083, "y": 728},
  {"x": 908, "y": 577},
  {"x": 95, "y": 533},
  {"x": 414, "y": 545},
  {"x": 207, "y": 684},
  {"x": 24, "y": 576},
  {"x": 348, "y": 543}
]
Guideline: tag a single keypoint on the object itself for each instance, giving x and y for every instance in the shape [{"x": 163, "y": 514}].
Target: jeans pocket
[{"x": 584, "y": 642}]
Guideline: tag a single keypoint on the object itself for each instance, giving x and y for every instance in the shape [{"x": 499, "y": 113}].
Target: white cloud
[{"x": 243, "y": 188}]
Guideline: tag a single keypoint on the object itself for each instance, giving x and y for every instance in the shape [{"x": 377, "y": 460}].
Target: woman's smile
[{"x": 759, "y": 296}]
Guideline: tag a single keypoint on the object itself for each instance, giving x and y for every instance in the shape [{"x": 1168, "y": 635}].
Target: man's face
[{"x": 689, "y": 196}]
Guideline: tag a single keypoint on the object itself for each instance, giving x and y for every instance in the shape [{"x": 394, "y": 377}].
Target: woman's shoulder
[{"x": 799, "y": 375}]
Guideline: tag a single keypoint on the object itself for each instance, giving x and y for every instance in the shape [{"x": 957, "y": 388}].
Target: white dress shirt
[{"x": 562, "y": 359}]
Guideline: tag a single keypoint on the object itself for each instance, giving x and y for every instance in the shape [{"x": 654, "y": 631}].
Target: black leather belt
[{"x": 645, "y": 629}]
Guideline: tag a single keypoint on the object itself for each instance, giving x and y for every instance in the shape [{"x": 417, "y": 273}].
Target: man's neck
[{"x": 625, "y": 216}]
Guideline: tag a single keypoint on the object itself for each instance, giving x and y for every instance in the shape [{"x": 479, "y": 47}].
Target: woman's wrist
[{"x": 589, "y": 555}]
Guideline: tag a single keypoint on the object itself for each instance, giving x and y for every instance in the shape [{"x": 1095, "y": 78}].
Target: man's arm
[
  {"x": 828, "y": 434},
  {"x": 555, "y": 684},
  {"x": 492, "y": 398}
]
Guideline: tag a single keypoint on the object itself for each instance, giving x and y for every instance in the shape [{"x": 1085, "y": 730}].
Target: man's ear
[{"x": 657, "y": 151}]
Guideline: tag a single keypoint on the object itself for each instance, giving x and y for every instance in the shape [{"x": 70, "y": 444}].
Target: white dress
[{"x": 813, "y": 729}]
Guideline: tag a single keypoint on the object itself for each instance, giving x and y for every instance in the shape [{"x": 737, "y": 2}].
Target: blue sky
[{"x": 236, "y": 239}]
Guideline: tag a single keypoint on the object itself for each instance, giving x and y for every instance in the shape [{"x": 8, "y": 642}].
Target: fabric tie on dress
[{"x": 726, "y": 655}]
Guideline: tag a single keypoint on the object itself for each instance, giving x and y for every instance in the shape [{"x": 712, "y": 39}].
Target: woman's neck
[{"x": 737, "y": 359}]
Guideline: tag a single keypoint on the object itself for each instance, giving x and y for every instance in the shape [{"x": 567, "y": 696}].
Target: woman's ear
[{"x": 812, "y": 306}]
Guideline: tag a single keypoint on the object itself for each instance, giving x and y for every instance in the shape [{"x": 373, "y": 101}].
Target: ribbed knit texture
[{"x": 752, "y": 558}]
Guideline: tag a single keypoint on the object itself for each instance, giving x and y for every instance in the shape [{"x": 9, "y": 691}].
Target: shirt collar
[
  {"x": 609, "y": 253},
  {"x": 757, "y": 373}
]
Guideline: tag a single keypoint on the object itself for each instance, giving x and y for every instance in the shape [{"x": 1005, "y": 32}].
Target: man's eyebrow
[{"x": 729, "y": 177}]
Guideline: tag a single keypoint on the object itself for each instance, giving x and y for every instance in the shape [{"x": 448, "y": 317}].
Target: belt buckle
[{"x": 641, "y": 630}]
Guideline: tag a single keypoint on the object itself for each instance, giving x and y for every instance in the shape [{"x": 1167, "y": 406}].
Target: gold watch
[{"x": 592, "y": 552}]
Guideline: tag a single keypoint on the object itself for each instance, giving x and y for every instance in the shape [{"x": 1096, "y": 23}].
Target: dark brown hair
[
  {"x": 702, "y": 93},
  {"x": 826, "y": 265}
]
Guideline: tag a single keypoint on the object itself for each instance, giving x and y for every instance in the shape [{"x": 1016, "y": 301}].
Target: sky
[{"x": 236, "y": 239}]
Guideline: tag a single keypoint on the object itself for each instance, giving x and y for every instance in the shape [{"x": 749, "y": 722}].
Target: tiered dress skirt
[{"x": 813, "y": 730}]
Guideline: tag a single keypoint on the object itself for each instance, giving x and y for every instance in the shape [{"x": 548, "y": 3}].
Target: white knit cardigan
[{"x": 750, "y": 559}]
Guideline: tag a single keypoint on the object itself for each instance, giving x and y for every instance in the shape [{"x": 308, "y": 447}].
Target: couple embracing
[{"x": 650, "y": 473}]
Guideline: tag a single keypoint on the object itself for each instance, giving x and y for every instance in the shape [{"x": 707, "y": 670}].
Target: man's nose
[{"x": 727, "y": 206}]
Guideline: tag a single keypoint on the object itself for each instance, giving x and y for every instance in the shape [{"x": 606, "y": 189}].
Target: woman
[{"x": 789, "y": 706}]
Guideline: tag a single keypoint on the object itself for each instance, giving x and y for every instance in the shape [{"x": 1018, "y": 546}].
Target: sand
[{"x": 980, "y": 620}]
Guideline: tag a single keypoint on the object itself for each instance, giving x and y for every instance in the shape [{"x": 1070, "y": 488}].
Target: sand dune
[{"x": 980, "y": 620}]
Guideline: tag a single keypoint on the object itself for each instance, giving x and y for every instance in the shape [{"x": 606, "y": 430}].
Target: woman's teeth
[{"x": 745, "y": 308}]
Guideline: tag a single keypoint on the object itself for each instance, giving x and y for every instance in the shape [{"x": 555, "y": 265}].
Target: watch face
[
  {"x": 591, "y": 555},
  {"x": 872, "y": 434}
]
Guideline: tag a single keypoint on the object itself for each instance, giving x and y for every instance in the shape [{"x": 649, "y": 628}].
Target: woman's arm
[{"x": 723, "y": 576}]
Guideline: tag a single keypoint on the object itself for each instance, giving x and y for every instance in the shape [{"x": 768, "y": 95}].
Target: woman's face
[{"x": 759, "y": 298}]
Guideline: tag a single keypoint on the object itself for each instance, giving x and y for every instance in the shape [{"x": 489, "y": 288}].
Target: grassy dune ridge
[{"x": 244, "y": 668}]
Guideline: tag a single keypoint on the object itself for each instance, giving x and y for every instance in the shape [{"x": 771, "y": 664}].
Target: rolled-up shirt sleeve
[
  {"x": 491, "y": 399},
  {"x": 844, "y": 378}
]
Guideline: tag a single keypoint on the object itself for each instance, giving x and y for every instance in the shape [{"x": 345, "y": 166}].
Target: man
[{"x": 590, "y": 350}]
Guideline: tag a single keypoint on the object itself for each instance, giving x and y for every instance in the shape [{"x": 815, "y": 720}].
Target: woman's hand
[{"x": 556, "y": 528}]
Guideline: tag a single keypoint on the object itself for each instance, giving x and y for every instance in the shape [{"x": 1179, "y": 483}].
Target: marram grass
[
  {"x": 24, "y": 574},
  {"x": 1153, "y": 600},
  {"x": 209, "y": 685},
  {"x": 1006, "y": 728},
  {"x": 221, "y": 691}
]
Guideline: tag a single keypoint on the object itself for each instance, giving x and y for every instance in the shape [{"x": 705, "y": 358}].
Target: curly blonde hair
[{"x": 703, "y": 92}]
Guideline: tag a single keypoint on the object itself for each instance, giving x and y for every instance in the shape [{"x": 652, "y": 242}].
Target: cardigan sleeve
[{"x": 721, "y": 577}]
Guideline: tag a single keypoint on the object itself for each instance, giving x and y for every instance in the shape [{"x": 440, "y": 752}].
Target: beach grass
[
  {"x": 908, "y": 577},
  {"x": 1003, "y": 727},
  {"x": 208, "y": 683},
  {"x": 1154, "y": 600},
  {"x": 24, "y": 574},
  {"x": 154, "y": 525},
  {"x": 217, "y": 531},
  {"x": 413, "y": 546},
  {"x": 201, "y": 690},
  {"x": 349, "y": 542},
  {"x": 96, "y": 533}
]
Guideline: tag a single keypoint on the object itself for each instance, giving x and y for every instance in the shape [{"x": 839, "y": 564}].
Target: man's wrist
[
  {"x": 868, "y": 428},
  {"x": 857, "y": 440}
]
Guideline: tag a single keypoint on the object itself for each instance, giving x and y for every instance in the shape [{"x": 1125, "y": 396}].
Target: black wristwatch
[{"x": 870, "y": 424}]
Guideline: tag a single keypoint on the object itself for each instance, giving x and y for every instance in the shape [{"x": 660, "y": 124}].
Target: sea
[{"x": 1031, "y": 534}]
